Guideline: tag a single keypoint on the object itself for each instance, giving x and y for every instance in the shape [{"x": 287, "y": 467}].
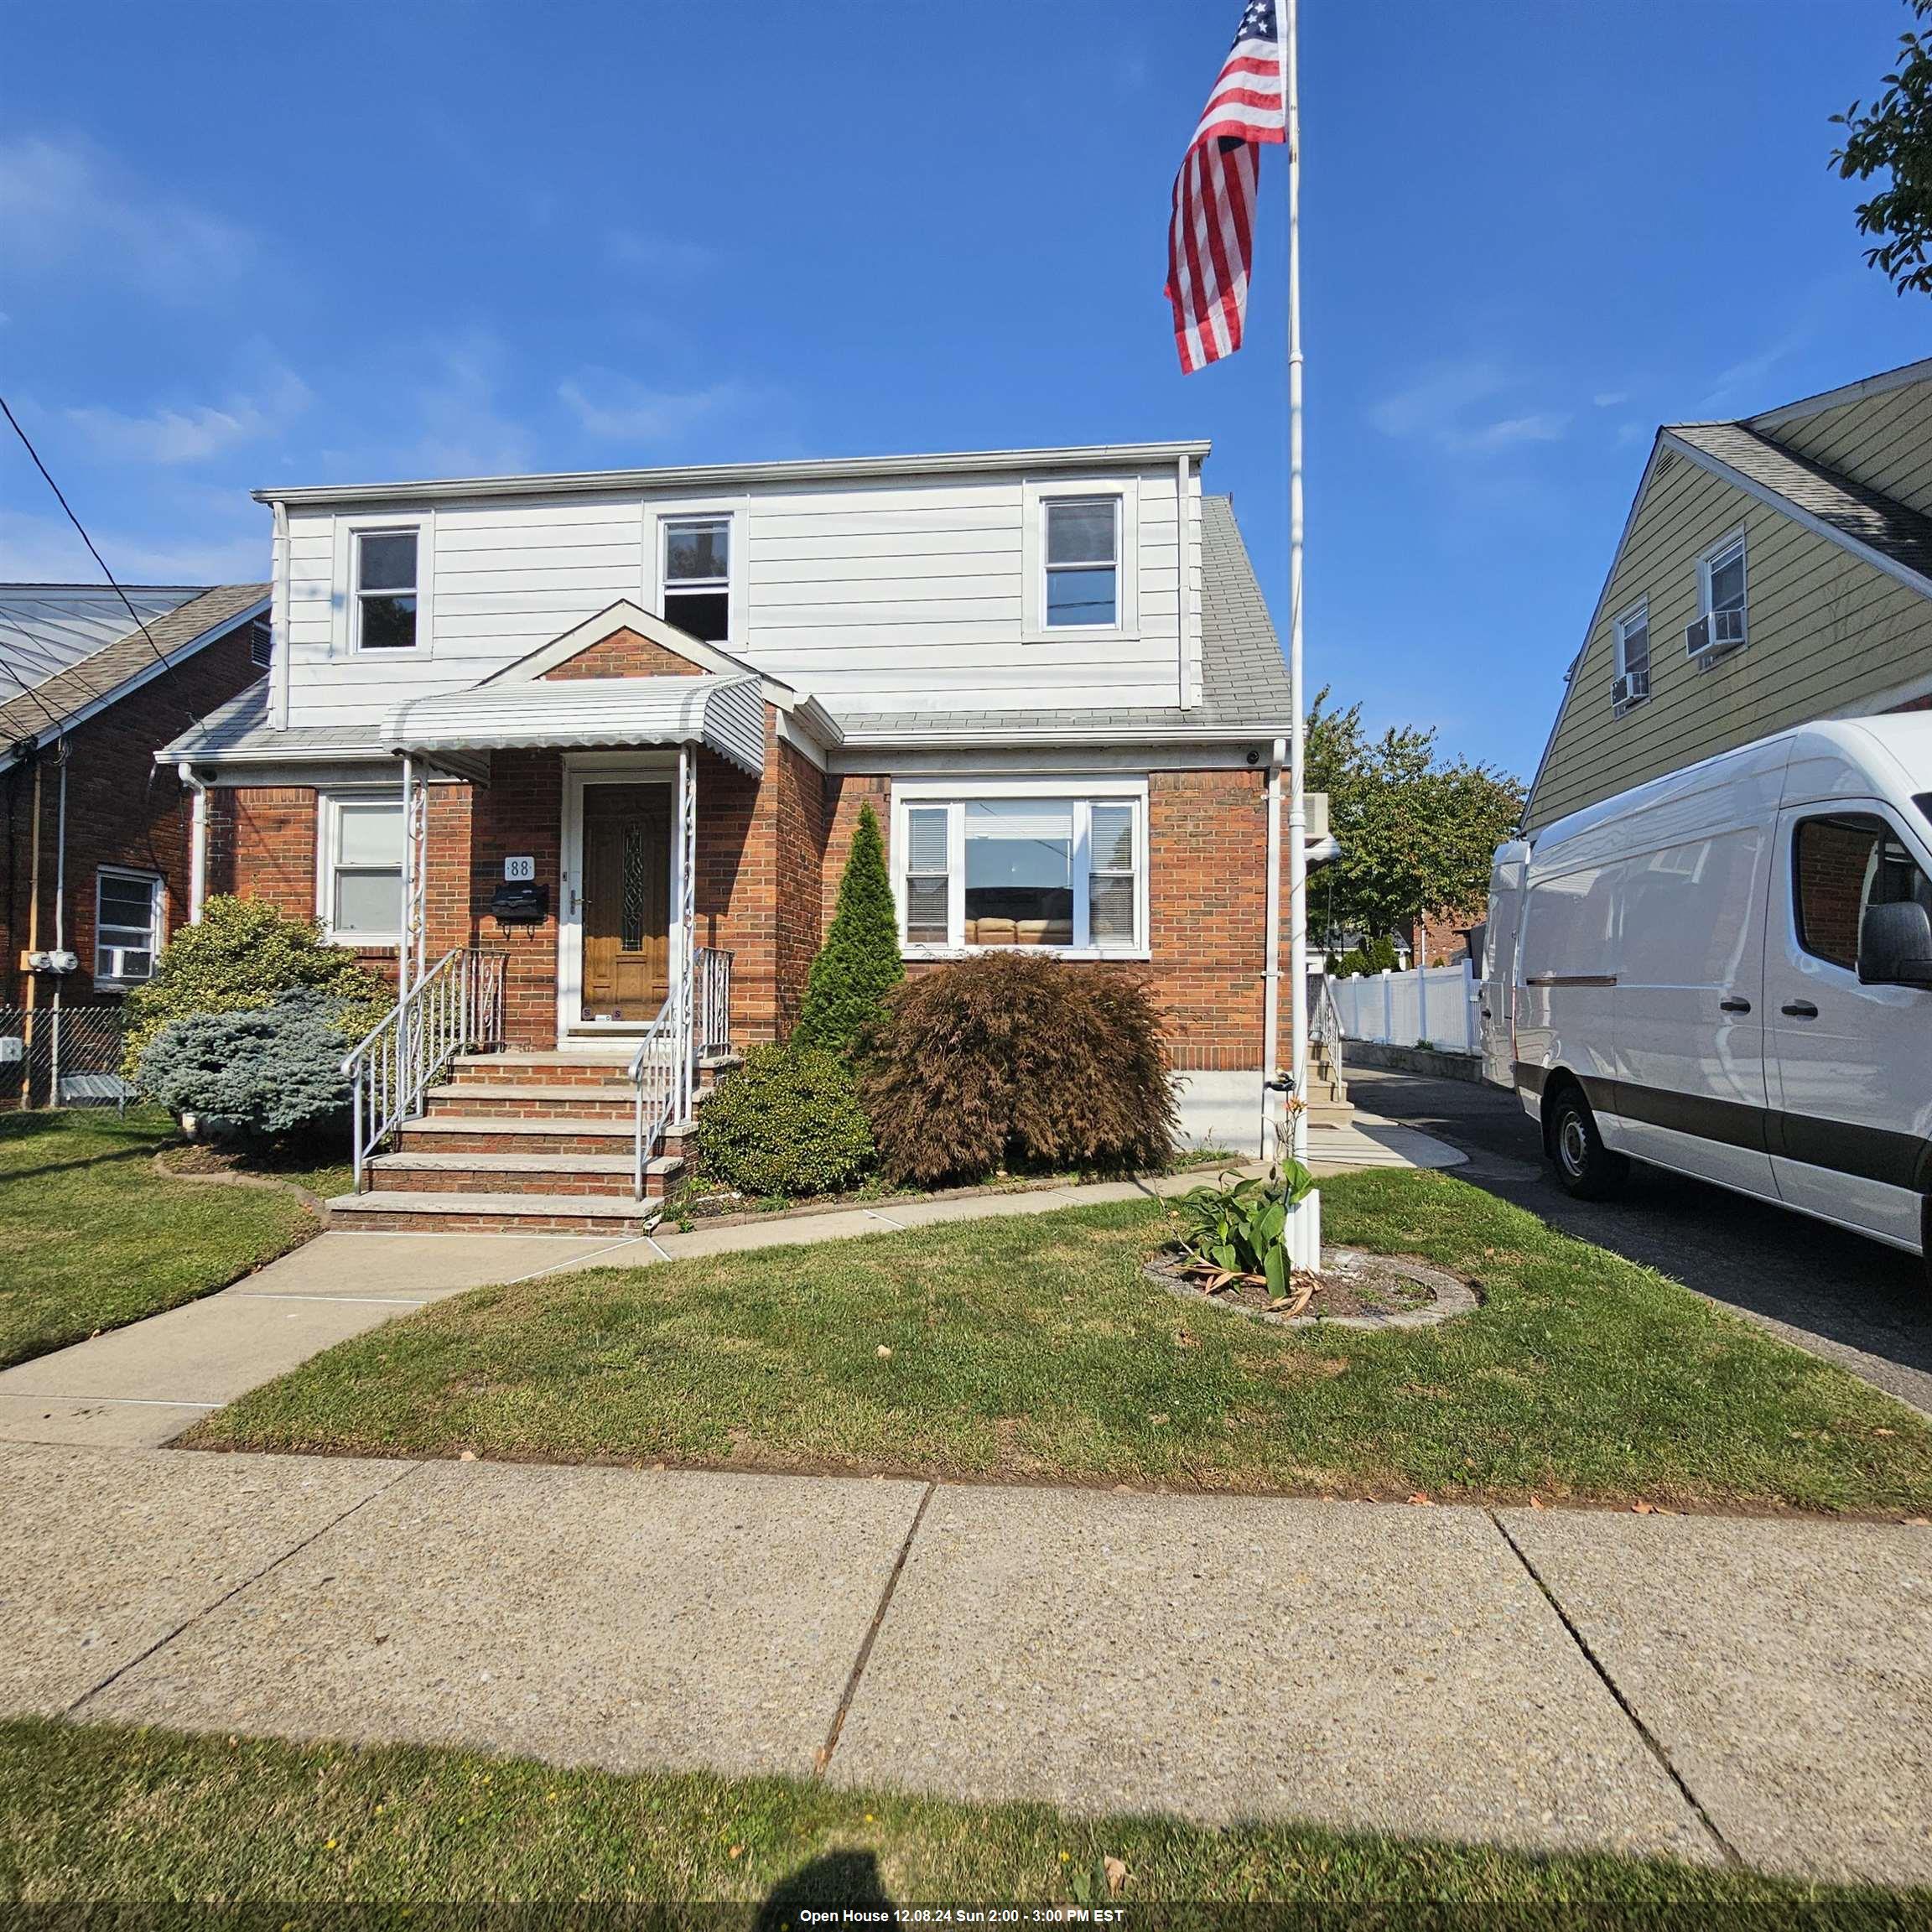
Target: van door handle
[
  {"x": 1800, "y": 1010},
  {"x": 1734, "y": 1005}
]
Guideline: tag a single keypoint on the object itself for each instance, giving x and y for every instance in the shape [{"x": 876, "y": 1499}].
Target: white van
[{"x": 1728, "y": 972}]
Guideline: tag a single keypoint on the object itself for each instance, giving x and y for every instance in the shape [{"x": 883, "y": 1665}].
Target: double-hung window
[
  {"x": 127, "y": 926},
  {"x": 1632, "y": 685},
  {"x": 1083, "y": 562},
  {"x": 359, "y": 886},
  {"x": 1720, "y": 622},
  {"x": 1000, "y": 866},
  {"x": 385, "y": 580},
  {"x": 697, "y": 577}
]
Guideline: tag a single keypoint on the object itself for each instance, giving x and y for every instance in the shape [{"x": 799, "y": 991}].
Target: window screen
[{"x": 698, "y": 578}]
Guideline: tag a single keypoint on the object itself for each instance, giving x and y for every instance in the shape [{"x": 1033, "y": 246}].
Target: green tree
[
  {"x": 1417, "y": 833},
  {"x": 858, "y": 965},
  {"x": 1894, "y": 136},
  {"x": 241, "y": 957}
]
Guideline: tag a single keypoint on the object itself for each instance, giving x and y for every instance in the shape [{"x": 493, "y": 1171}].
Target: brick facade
[
  {"x": 771, "y": 852},
  {"x": 122, "y": 810}
]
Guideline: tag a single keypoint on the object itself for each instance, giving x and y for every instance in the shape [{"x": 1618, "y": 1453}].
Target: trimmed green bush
[
  {"x": 1009, "y": 1060},
  {"x": 271, "y": 1071},
  {"x": 858, "y": 965},
  {"x": 242, "y": 956},
  {"x": 787, "y": 1122}
]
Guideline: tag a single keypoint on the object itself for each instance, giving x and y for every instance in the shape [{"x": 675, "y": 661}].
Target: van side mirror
[{"x": 1895, "y": 945}]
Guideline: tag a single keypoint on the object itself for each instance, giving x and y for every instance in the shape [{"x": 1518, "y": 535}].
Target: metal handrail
[
  {"x": 714, "y": 1000},
  {"x": 658, "y": 1078},
  {"x": 456, "y": 1007}
]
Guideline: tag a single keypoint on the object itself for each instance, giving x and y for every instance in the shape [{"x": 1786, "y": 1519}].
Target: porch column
[
  {"x": 411, "y": 960},
  {"x": 687, "y": 928}
]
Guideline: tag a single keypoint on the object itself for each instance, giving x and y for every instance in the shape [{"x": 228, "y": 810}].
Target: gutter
[{"x": 713, "y": 475}]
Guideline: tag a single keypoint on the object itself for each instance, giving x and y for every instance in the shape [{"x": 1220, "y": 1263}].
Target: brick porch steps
[
  {"x": 428, "y": 1212},
  {"x": 600, "y": 1100}
]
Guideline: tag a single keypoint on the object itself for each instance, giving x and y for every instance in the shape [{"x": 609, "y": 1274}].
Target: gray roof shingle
[
  {"x": 105, "y": 670},
  {"x": 1853, "y": 509}
]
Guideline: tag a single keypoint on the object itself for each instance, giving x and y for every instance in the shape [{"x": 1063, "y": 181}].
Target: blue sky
[{"x": 241, "y": 244}]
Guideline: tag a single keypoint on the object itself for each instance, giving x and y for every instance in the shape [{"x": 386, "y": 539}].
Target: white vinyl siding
[
  {"x": 1046, "y": 865},
  {"x": 888, "y": 596},
  {"x": 128, "y": 920}
]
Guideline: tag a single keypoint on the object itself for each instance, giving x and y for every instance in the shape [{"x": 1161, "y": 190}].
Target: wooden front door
[{"x": 627, "y": 911}]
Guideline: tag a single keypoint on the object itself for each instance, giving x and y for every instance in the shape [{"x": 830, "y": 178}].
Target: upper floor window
[
  {"x": 1632, "y": 645},
  {"x": 127, "y": 926},
  {"x": 697, "y": 577},
  {"x": 1721, "y": 621},
  {"x": 386, "y": 589},
  {"x": 1083, "y": 551}
]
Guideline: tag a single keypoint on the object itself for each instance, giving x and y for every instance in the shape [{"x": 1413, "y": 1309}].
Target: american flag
[{"x": 1211, "y": 237}]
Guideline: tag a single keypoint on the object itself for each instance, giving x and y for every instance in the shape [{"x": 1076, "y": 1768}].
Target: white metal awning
[{"x": 726, "y": 713}]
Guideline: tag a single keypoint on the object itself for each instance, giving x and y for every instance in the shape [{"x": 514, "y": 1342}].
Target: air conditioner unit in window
[
  {"x": 1714, "y": 630},
  {"x": 1630, "y": 689}
]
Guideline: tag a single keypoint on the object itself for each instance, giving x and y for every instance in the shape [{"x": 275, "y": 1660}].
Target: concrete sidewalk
[
  {"x": 1697, "y": 1687},
  {"x": 141, "y": 1385}
]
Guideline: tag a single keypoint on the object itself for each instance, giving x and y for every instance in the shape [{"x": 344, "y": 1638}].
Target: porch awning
[{"x": 726, "y": 713}]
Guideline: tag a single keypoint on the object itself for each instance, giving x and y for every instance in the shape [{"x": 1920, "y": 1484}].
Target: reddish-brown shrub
[{"x": 1010, "y": 1060}]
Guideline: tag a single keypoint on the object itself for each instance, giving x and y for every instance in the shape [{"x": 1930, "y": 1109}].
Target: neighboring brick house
[
  {"x": 617, "y": 727},
  {"x": 93, "y": 696}
]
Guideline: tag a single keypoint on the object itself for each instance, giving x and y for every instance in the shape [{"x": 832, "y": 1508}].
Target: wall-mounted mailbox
[{"x": 521, "y": 905}]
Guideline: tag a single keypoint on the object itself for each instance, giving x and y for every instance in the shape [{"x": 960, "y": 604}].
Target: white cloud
[
  {"x": 616, "y": 408},
  {"x": 1455, "y": 409},
  {"x": 36, "y": 549},
  {"x": 193, "y": 434},
  {"x": 67, "y": 208},
  {"x": 1748, "y": 373},
  {"x": 1609, "y": 398},
  {"x": 663, "y": 256}
]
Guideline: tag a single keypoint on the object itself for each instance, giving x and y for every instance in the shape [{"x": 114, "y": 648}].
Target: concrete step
[
  {"x": 548, "y": 1133},
  {"x": 427, "y": 1212},
  {"x": 604, "y": 1176},
  {"x": 1330, "y": 1113},
  {"x": 538, "y": 1069}
]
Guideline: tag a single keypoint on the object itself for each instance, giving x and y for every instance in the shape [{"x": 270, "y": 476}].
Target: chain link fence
[{"x": 68, "y": 1055}]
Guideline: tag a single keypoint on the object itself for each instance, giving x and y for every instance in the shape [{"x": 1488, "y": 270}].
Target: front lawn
[
  {"x": 92, "y": 1237},
  {"x": 99, "y": 1815},
  {"x": 1030, "y": 1348}
]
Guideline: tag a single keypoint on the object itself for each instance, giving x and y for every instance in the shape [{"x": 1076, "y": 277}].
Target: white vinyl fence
[{"x": 1436, "y": 1004}]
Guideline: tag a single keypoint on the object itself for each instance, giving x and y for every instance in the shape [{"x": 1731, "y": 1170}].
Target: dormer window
[
  {"x": 386, "y": 589},
  {"x": 1083, "y": 562},
  {"x": 697, "y": 577}
]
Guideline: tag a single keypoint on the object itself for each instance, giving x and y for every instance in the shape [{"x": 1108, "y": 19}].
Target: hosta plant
[{"x": 1237, "y": 1230}]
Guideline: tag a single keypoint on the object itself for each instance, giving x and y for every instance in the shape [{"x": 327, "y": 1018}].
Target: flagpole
[{"x": 1298, "y": 773}]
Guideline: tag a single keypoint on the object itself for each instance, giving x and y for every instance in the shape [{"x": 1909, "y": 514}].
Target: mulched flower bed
[{"x": 1355, "y": 1289}]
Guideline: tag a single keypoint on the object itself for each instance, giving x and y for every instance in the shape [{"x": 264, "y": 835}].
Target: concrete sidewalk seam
[
  {"x": 822, "y": 1759},
  {"x": 162, "y": 1642},
  {"x": 875, "y": 1215},
  {"x": 582, "y": 1261},
  {"x": 1651, "y": 1742}
]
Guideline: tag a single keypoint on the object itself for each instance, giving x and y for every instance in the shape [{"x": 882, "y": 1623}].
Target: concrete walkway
[
  {"x": 141, "y": 1385},
  {"x": 1702, "y": 1688}
]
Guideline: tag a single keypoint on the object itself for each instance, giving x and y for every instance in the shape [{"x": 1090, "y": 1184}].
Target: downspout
[
  {"x": 60, "y": 924},
  {"x": 197, "y": 841},
  {"x": 278, "y": 667},
  {"x": 1271, "y": 970}
]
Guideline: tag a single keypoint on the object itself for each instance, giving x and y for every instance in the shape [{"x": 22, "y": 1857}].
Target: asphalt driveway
[{"x": 1850, "y": 1299}]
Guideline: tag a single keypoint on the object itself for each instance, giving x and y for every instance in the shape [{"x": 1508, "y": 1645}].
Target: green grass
[
  {"x": 93, "y": 1237},
  {"x": 1034, "y": 1347},
  {"x": 100, "y": 1814}
]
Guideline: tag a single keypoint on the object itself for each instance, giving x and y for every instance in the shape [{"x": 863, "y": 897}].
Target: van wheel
[{"x": 1584, "y": 1167}]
